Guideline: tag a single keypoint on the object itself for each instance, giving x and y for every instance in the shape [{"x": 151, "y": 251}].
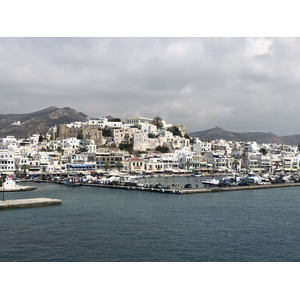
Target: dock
[
  {"x": 25, "y": 203},
  {"x": 200, "y": 189},
  {"x": 239, "y": 188},
  {"x": 18, "y": 188}
]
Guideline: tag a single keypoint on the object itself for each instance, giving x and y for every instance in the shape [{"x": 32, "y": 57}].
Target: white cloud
[{"x": 258, "y": 46}]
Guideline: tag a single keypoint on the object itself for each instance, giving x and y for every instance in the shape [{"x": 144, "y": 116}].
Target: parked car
[{"x": 188, "y": 186}]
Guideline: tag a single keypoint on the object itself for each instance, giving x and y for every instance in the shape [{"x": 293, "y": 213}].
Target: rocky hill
[
  {"x": 37, "y": 122},
  {"x": 259, "y": 137}
]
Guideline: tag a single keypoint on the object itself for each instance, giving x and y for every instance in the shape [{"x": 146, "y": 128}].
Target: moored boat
[
  {"x": 72, "y": 182},
  {"x": 210, "y": 182}
]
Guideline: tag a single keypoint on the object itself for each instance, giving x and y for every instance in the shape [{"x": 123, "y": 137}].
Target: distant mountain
[
  {"x": 37, "y": 122},
  {"x": 291, "y": 139},
  {"x": 259, "y": 137}
]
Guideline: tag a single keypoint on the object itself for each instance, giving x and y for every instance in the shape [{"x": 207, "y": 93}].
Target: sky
[{"x": 239, "y": 84}]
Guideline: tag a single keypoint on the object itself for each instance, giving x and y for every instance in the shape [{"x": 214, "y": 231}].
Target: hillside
[
  {"x": 37, "y": 122},
  {"x": 259, "y": 137}
]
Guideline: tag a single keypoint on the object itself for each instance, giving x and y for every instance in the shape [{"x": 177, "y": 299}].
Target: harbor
[
  {"x": 26, "y": 203},
  {"x": 173, "y": 185}
]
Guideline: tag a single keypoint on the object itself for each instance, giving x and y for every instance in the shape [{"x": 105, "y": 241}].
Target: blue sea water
[{"x": 107, "y": 225}]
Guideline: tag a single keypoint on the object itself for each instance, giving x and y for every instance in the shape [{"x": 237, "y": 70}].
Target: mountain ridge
[
  {"x": 37, "y": 122},
  {"x": 259, "y": 137}
]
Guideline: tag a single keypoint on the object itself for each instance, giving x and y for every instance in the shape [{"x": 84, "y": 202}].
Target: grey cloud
[{"x": 239, "y": 83}]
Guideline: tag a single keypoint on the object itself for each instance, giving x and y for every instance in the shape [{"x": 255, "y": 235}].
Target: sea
[{"x": 96, "y": 224}]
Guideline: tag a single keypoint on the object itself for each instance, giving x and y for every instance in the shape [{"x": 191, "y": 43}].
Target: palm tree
[
  {"x": 244, "y": 158},
  {"x": 188, "y": 164},
  {"x": 235, "y": 163},
  {"x": 119, "y": 165},
  {"x": 24, "y": 168},
  {"x": 2, "y": 179},
  {"x": 106, "y": 165}
]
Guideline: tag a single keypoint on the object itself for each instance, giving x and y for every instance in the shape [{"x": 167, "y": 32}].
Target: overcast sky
[{"x": 240, "y": 84}]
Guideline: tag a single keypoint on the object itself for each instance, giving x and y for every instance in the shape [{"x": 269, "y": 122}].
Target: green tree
[
  {"x": 114, "y": 120},
  {"x": 263, "y": 151},
  {"x": 24, "y": 168},
  {"x": 2, "y": 179},
  {"x": 151, "y": 135},
  {"x": 162, "y": 149},
  {"x": 107, "y": 132},
  {"x": 80, "y": 136},
  {"x": 41, "y": 138},
  {"x": 60, "y": 149},
  {"x": 187, "y": 136},
  {"x": 235, "y": 164},
  {"x": 106, "y": 165},
  {"x": 158, "y": 122},
  {"x": 83, "y": 147},
  {"x": 126, "y": 147},
  {"x": 188, "y": 164},
  {"x": 119, "y": 165},
  {"x": 175, "y": 130},
  {"x": 244, "y": 158}
]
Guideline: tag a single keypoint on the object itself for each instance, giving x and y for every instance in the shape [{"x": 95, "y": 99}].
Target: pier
[
  {"x": 238, "y": 188},
  {"x": 200, "y": 189},
  {"x": 25, "y": 203},
  {"x": 18, "y": 188}
]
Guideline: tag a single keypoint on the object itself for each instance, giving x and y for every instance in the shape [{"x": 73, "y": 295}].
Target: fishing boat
[{"x": 72, "y": 182}]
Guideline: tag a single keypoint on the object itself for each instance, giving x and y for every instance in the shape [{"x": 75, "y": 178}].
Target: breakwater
[
  {"x": 25, "y": 203},
  {"x": 18, "y": 188}
]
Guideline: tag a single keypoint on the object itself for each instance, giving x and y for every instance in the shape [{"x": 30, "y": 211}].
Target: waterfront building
[
  {"x": 170, "y": 161},
  {"x": 7, "y": 162},
  {"x": 78, "y": 162},
  {"x": 136, "y": 165},
  {"x": 21, "y": 162},
  {"x": 154, "y": 164},
  {"x": 295, "y": 163},
  {"x": 111, "y": 159}
]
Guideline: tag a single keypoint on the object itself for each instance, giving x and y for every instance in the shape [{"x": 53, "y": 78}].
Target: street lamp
[{"x": 2, "y": 186}]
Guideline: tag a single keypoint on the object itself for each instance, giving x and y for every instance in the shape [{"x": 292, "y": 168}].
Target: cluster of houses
[{"x": 139, "y": 145}]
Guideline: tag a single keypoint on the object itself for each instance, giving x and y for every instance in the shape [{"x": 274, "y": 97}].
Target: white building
[
  {"x": 9, "y": 143},
  {"x": 201, "y": 146},
  {"x": 7, "y": 161},
  {"x": 104, "y": 122},
  {"x": 138, "y": 121}
]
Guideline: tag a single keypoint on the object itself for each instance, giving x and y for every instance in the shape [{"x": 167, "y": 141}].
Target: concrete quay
[
  {"x": 198, "y": 190},
  {"x": 239, "y": 188},
  {"x": 25, "y": 203},
  {"x": 18, "y": 188}
]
